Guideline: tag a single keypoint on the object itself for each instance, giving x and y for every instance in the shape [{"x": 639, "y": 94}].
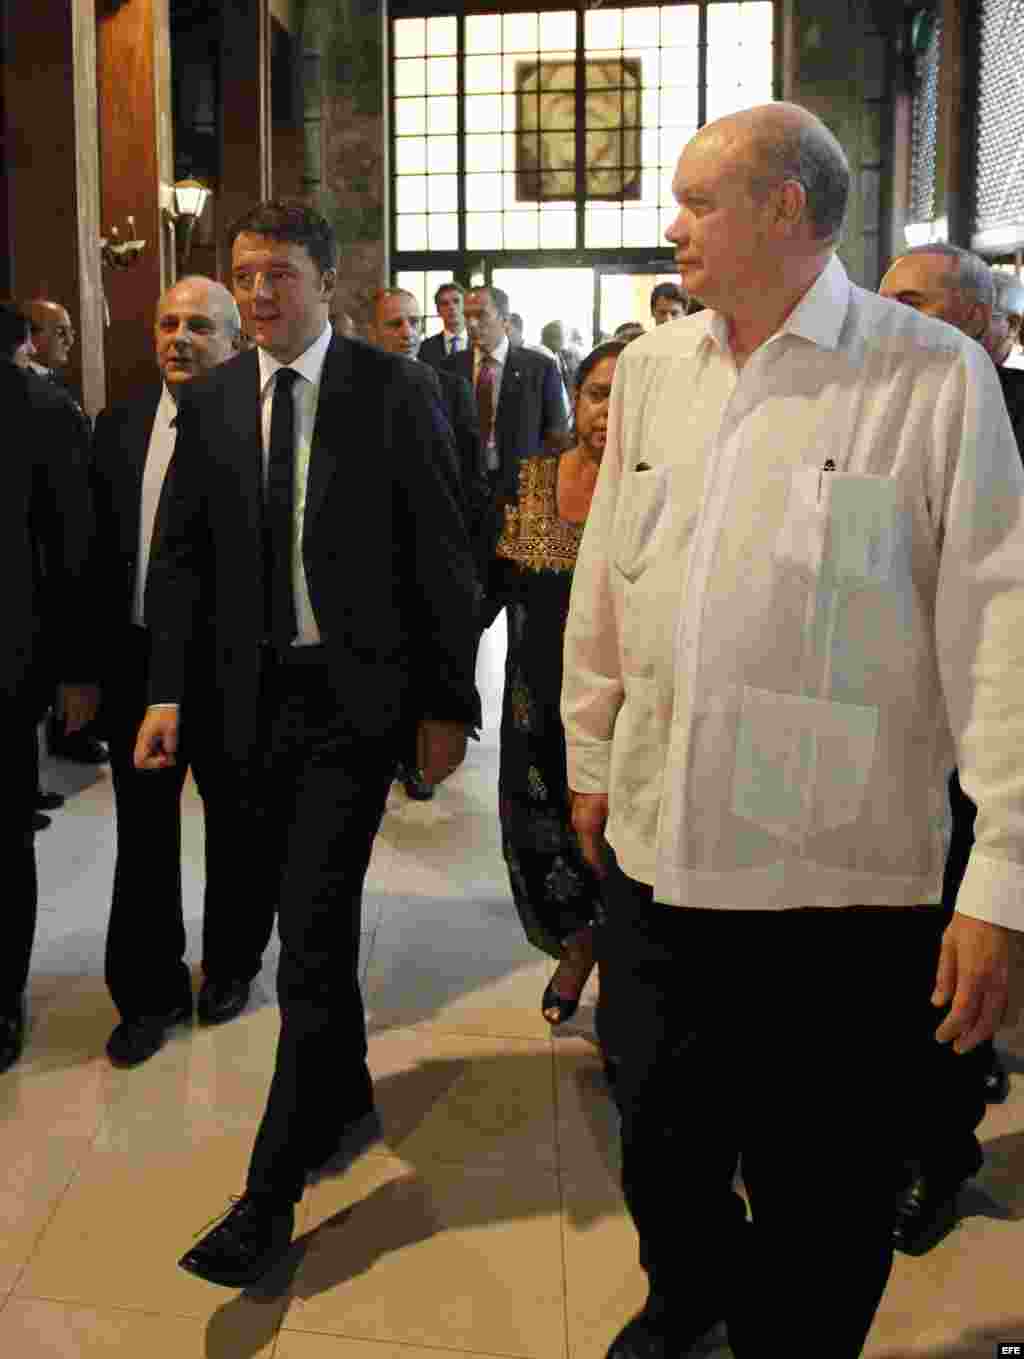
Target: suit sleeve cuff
[{"x": 993, "y": 890}]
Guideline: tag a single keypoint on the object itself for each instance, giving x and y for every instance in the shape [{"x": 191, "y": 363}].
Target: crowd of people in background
[{"x": 297, "y": 671}]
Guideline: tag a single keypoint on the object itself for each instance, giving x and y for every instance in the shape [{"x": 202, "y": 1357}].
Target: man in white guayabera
[{"x": 797, "y": 606}]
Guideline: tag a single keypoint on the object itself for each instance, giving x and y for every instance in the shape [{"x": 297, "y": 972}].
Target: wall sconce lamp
[
  {"x": 120, "y": 254},
  {"x": 187, "y": 199}
]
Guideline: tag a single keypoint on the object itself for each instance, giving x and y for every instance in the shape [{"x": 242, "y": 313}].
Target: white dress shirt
[
  {"x": 771, "y": 667},
  {"x": 162, "y": 437},
  {"x": 499, "y": 354},
  {"x": 305, "y": 395}
]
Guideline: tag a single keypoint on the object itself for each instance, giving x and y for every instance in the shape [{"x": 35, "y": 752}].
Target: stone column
[{"x": 53, "y": 208}]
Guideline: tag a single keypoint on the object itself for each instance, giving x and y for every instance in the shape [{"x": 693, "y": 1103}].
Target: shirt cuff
[
  {"x": 993, "y": 890},
  {"x": 589, "y": 767},
  {"x": 175, "y": 706}
]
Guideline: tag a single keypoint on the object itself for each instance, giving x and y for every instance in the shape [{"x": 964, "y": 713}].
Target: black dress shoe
[
  {"x": 251, "y": 1239},
  {"x": 655, "y": 1333},
  {"x": 220, "y": 1001},
  {"x": 40, "y": 822},
  {"x": 49, "y": 802},
  {"x": 12, "y": 1035},
  {"x": 995, "y": 1081},
  {"x": 926, "y": 1213},
  {"x": 134, "y": 1041}
]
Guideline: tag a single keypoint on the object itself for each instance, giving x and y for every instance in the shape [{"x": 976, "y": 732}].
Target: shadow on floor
[{"x": 392, "y": 1216}]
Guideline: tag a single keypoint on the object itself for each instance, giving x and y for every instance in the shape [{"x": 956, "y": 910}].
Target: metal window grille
[
  {"x": 999, "y": 184},
  {"x": 925, "y": 131}
]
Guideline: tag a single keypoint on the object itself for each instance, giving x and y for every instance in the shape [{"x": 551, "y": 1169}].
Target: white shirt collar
[
  {"x": 817, "y": 317},
  {"x": 309, "y": 364}
]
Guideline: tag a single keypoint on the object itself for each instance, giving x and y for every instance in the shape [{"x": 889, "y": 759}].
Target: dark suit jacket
[
  {"x": 119, "y": 446},
  {"x": 432, "y": 350},
  {"x": 457, "y": 399},
  {"x": 385, "y": 549},
  {"x": 45, "y": 541},
  {"x": 1012, "y": 382},
  {"x": 529, "y": 408}
]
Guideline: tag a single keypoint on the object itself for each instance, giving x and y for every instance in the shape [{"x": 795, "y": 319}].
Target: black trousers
[
  {"x": 17, "y": 851},
  {"x": 945, "y": 1144},
  {"x": 319, "y": 798},
  {"x": 793, "y": 1043},
  {"x": 145, "y": 967}
]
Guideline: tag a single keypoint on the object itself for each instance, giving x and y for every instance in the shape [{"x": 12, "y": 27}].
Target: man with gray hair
[
  {"x": 953, "y": 285},
  {"x": 796, "y": 605},
  {"x": 197, "y": 327},
  {"x": 1007, "y": 314}
]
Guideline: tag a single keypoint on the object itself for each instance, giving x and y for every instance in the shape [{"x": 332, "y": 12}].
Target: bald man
[
  {"x": 196, "y": 328},
  {"x": 796, "y": 606}
]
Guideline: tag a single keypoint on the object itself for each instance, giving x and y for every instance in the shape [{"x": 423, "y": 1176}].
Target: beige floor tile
[
  {"x": 34, "y": 1329},
  {"x": 473, "y": 972},
  {"x": 119, "y": 1230},
  {"x": 47, "y": 1124},
  {"x": 464, "y": 1099},
  {"x": 586, "y": 1119},
  {"x": 296, "y": 1345},
  {"x": 464, "y": 1259},
  {"x": 605, "y": 1285},
  {"x": 203, "y": 1080}
]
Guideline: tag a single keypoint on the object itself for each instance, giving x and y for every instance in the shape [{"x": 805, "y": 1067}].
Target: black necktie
[{"x": 279, "y": 513}]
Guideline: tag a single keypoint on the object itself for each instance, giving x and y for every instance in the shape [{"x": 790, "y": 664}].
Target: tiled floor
[{"x": 488, "y": 1222}]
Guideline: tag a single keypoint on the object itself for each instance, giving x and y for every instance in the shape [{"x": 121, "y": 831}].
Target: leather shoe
[
  {"x": 48, "y": 802},
  {"x": 40, "y": 822},
  {"x": 253, "y": 1236},
  {"x": 12, "y": 1034},
  {"x": 926, "y": 1213},
  {"x": 995, "y": 1081},
  {"x": 220, "y": 1001},
  {"x": 414, "y": 784},
  {"x": 134, "y": 1041},
  {"x": 655, "y": 1334}
]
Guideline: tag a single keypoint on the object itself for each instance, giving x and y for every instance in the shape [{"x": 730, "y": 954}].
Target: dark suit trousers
[
  {"x": 17, "y": 850},
  {"x": 320, "y": 795},
  {"x": 792, "y": 1042},
  {"x": 145, "y": 966}
]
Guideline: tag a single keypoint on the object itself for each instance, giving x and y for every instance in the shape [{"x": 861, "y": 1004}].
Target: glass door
[
  {"x": 543, "y": 295},
  {"x": 625, "y": 296}
]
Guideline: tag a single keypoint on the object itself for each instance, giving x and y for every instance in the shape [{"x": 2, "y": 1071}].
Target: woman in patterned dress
[{"x": 555, "y": 891}]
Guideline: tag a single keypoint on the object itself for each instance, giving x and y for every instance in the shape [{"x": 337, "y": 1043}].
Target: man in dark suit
[
  {"x": 197, "y": 328},
  {"x": 45, "y": 536},
  {"x": 53, "y": 337},
  {"x": 518, "y": 392},
  {"x": 451, "y": 339},
  {"x": 336, "y": 575},
  {"x": 398, "y": 328}
]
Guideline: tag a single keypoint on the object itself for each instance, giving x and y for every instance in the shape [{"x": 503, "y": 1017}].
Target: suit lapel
[
  {"x": 334, "y": 407},
  {"x": 243, "y": 418}
]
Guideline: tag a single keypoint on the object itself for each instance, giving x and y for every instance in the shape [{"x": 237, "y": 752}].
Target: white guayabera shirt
[{"x": 771, "y": 667}]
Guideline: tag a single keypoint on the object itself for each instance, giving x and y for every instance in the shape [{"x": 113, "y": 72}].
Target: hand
[
  {"x": 589, "y": 818},
  {"x": 973, "y": 973},
  {"x": 440, "y": 749},
  {"x": 156, "y": 746},
  {"x": 76, "y": 705}
]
